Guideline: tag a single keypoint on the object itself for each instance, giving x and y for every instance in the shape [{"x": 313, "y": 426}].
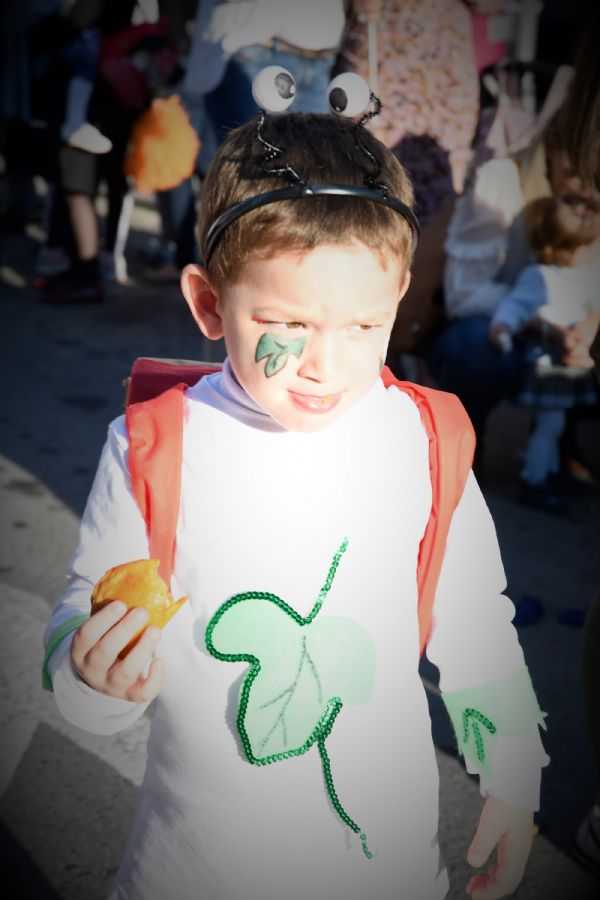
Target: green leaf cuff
[
  {"x": 56, "y": 638},
  {"x": 481, "y": 714}
]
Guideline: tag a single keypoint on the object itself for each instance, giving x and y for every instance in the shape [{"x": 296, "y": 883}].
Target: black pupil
[
  {"x": 284, "y": 85},
  {"x": 338, "y": 99}
]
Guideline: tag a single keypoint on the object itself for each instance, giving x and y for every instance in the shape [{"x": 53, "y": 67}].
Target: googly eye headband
[{"x": 348, "y": 94}]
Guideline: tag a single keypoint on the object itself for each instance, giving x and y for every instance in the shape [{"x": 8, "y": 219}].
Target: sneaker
[
  {"x": 586, "y": 843},
  {"x": 543, "y": 497},
  {"x": 65, "y": 290},
  {"x": 87, "y": 137}
]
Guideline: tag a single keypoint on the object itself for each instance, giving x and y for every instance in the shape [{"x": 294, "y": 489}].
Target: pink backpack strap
[
  {"x": 155, "y": 430},
  {"x": 154, "y": 417}
]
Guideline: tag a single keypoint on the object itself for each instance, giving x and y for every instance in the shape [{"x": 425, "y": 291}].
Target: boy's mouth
[{"x": 314, "y": 403}]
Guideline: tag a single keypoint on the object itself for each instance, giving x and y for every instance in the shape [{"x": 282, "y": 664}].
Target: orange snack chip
[{"x": 137, "y": 583}]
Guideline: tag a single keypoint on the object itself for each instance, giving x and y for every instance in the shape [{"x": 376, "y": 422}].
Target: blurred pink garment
[
  {"x": 488, "y": 51},
  {"x": 429, "y": 90}
]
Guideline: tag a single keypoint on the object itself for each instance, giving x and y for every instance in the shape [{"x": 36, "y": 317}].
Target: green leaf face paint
[
  {"x": 277, "y": 349},
  {"x": 302, "y": 672}
]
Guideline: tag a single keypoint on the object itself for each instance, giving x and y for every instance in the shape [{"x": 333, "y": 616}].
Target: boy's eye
[
  {"x": 286, "y": 325},
  {"x": 364, "y": 327}
]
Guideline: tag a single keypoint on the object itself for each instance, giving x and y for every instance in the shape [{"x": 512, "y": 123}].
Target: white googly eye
[
  {"x": 348, "y": 94},
  {"x": 274, "y": 89}
]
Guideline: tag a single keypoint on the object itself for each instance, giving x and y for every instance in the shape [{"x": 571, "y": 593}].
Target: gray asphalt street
[{"x": 67, "y": 798}]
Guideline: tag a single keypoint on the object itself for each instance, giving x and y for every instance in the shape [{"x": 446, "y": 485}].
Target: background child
[
  {"x": 550, "y": 297},
  {"x": 82, "y": 55},
  {"x": 305, "y": 478}
]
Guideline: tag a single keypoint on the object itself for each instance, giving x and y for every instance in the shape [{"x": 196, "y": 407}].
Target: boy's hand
[
  {"x": 509, "y": 829},
  {"x": 96, "y": 647}
]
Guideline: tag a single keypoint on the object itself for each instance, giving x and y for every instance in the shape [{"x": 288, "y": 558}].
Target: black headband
[{"x": 296, "y": 191}]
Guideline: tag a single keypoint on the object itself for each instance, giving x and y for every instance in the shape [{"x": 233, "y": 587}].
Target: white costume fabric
[
  {"x": 264, "y": 509},
  {"x": 312, "y": 25},
  {"x": 486, "y": 244}
]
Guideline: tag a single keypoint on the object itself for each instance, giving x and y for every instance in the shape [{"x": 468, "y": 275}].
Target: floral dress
[{"x": 429, "y": 90}]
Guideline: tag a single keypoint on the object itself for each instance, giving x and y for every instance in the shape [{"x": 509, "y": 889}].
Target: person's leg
[
  {"x": 541, "y": 460},
  {"x": 541, "y": 457},
  {"x": 85, "y": 225},
  {"x": 231, "y": 103},
  {"x": 81, "y": 55},
  {"x": 78, "y": 179}
]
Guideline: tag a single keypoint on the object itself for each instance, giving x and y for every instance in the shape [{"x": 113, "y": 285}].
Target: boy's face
[{"x": 307, "y": 334}]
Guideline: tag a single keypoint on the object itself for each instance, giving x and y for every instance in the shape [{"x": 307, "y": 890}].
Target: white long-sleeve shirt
[
  {"x": 486, "y": 244},
  {"x": 264, "y": 509}
]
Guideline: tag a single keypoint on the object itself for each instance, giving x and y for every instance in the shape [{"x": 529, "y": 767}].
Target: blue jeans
[
  {"x": 231, "y": 103},
  {"x": 463, "y": 361},
  {"x": 81, "y": 54},
  {"x": 542, "y": 456}
]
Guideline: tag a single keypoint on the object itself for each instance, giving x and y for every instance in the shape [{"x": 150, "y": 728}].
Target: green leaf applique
[
  {"x": 277, "y": 349},
  {"x": 301, "y": 673}
]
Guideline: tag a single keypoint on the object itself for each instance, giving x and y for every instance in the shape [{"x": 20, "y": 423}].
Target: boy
[{"x": 305, "y": 494}]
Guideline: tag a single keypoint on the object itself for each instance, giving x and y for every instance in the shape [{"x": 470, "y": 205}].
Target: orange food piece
[{"x": 137, "y": 583}]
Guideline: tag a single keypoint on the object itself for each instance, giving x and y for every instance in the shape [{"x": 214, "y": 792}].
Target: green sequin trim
[
  {"x": 483, "y": 713},
  {"x": 333, "y": 705},
  {"x": 56, "y": 638},
  {"x": 471, "y": 719}
]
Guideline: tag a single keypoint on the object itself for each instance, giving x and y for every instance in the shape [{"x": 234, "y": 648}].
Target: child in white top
[
  {"x": 304, "y": 477},
  {"x": 549, "y": 298}
]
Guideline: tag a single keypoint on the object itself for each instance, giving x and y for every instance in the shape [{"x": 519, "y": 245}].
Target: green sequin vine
[
  {"x": 471, "y": 719},
  {"x": 302, "y": 671}
]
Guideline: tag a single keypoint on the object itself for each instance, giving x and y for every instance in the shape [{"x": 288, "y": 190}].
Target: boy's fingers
[
  {"x": 481, "y": 847},
  {"x": 502, "y": 878},
  {"x": 127, "y": 671},
  {"x": 116, "y": 639},
  {"x": 146, "y": 690},
  {"x": 96, "y": 627}
]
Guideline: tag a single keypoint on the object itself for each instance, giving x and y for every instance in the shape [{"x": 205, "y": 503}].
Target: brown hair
[
  {"x": 583, "y": 106},
  {"x": 552, "y": 241},
  {"x": 320, "y": 148}
]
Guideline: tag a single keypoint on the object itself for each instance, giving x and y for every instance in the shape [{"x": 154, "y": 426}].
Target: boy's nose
[{"x": 319, "y": 359}]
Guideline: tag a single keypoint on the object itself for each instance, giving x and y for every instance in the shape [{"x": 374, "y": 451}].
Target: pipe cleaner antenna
[
  {"x": 370, "y": 178},
  {"x": 273, "y": 90},
  {"x": 349, "y": 95},
  {"x": 272, "y": 153}
]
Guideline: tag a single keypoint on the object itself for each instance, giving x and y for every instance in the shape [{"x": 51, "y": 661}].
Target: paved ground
[{"x": 66, "y": 798}]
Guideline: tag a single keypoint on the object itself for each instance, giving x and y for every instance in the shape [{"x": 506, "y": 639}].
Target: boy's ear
[
  {"x": 202, "y": 301},
  {"x": 405, "y": 284}
]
